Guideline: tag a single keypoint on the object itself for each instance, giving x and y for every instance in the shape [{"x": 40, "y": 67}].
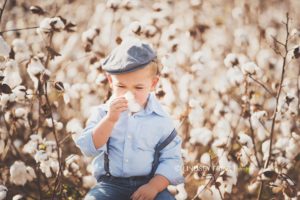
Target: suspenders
[{"x": 157, "y": 154}]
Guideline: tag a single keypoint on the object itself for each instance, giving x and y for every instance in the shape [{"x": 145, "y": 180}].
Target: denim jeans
[{"x": 113, "y": 188}]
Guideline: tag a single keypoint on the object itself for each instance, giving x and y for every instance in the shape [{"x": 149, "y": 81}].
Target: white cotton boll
[
  {"x": 168, "y": 62},
  {"x": 59, "y": 126},
  {"x": 4, "y": 98},
  {"x": 292, "y": 149},
  {"x": 184, "y": 84},
  {"x": 89, "y": 181},
  {"x": 20, "y": 112},
  {"x": 90, "y": 34},
  {"x": 150, "y": 30},
  {"x": 30, "y": 173},
  {"x": 172, "y": 189},
  {"x": 135, "y": 27},
  {"x": 280, "y": 160},
  {"x": 196, "y": 116},
  {"x": 2, "y": 146},
  {"x": 18, "y": 173},
  {"x": 265, "y": 149},
  {"x": 241, "y": 37},
  {"x": 200, "y": 135},
  {"x": 45, "y": 26},
  {"x": 253, "y": 169},
  {"x": 256, "y": 117},
  {"x": 49, "y": 122},
  {"x": 40, "y": 156},
  {"x": 133, "y": 106},
  {"x": 45, "y": 168},
  {"x": 231, "y": 60},
  {"x": 18, "y": 143},
  {"x": 11, "y": 74},
  {"x": 205, "y": 159},
  {"x": 286, "y": 127},
  {"x": 17, "y": 197},
  {"x": 51, "y": 24},
  {"x": 282, "y": 143},
  {"x": 74, "y": 126},
  {"x": 245, "y": 139},
  {"x": 19, "y": 92},
  {"x": 3, "y": 192},
  {"x": 252, "y": 187},
  {"x": 182, "y": 194},
  {"x": 234, "y": 76},
  {"x": 54, "y": 165},
  {"x": 250, "y": 68},
  {"x": 244, "y": 156},
  {"x": 3, "y": 61},
  {"x": 169, "y": 97},
  {"x": 237, "y": 13},
  {"x": 101, "y": 79},
  {"x": 34, "y": 68},
  {"x": 222, "y": 129},
  {"x": 74, "y": 167},
  {"x": 4, "y": 48},
  {"x": 19, "y": 45},
  {"x": 206, "y": 193},
  {"x": 113, "y": 3},
  {"x": 221, "y": 84}
]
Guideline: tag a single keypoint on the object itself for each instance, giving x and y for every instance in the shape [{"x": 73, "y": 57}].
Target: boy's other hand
[
  {"x": 145, "y": 192},
  {"x": 116, "y": 106}
]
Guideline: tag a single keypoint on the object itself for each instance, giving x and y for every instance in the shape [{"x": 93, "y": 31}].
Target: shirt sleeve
[
  {"x": 85, "y": 141},
  {"x": 170, "y": 162}
]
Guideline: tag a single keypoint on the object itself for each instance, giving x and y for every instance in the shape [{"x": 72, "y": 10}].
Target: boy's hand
[
  {"x": 116, "y": 106},
  {"x": 145, "y": 192}
]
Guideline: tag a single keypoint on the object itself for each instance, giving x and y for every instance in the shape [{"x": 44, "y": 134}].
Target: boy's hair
[{"x": 155, "y": 66}]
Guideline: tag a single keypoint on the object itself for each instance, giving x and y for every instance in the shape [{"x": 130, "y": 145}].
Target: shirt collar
[{"x": 152, "y": 106}]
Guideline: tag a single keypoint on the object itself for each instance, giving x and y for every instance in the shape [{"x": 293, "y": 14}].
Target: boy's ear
[
  {"x": 108, "y": 76},
  {"x": 154, "y": 82}
]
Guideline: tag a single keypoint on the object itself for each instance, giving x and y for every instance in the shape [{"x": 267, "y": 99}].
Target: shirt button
[
  {"x": 126, "y": 160},
  {"x": 129, "y": 136}
]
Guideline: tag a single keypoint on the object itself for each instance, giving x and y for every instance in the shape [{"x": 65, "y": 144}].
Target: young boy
[{"x": 126, "y": 143}]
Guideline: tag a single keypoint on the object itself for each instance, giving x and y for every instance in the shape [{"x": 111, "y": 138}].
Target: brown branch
[
  {"x": 277, "y": 100},
  {"x": 298, "y": 91},
  {"x": 59, "y": 174},
  {"x": 279, "y": 89},
  {"x": 18, "y": 29},
  {"x": 254, "y": 143},
  {"x": 261, "y": 84},
  {"x": 48, "y": 53},
  {"x": 2, "y": 10},
  {"x": 251, "y": 127}
]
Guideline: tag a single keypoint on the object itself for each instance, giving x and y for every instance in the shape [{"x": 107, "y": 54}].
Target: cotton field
[{"x": 230, "y": 80}]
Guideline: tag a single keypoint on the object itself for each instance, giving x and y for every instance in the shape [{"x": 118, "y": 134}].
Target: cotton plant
[
  {"x": 21, "y": 50},
  {"x": 20, "y": 174},
  {"x": 3, "y": 192},
  {"x": 179, "y": 190},
  {"x": 200, "y": 135},
  {"x": 58, "y": 125},
  {"x": 71, "y": 167},
  {"x": 44, "y": 152}
]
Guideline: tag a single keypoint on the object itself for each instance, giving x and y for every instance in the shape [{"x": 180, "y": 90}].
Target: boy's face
[{"x": 140, "y": 82}]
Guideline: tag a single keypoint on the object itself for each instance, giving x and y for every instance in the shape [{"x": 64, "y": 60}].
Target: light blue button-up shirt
[{"x": 132, "y": 143}]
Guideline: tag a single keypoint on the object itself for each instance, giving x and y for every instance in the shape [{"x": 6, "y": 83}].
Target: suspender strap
[
  {"x": 106, "y": 160},
  {"x": 158, "y": 148}
]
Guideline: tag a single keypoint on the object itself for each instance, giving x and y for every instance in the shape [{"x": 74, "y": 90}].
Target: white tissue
[{"x": 133, "y": 106}]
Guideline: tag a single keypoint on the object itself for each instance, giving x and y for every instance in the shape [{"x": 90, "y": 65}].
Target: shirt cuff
[{"x": 173, "y": 174}]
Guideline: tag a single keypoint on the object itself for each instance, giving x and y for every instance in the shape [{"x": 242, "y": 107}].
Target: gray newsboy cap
[{"x": 129, "y": 56}]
